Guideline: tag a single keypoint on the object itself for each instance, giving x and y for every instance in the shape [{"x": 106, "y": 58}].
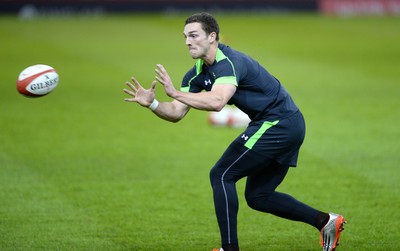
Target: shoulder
[
  {"x": 228, "y": 55},
  {"x": 228, "y": 52},
  {"x": 228, "y": 59}
]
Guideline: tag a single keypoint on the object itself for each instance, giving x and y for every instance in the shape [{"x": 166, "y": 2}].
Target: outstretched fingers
[
  {"x": 159, "y": 77},
  {"x": 138, "y": 94},
  {"x": 137, "y": 84},
  {"x": 131, "y": 93},
  {"x": 161, "y": 68},
  {"x": 162, "y": 74},
  {"x": 133, "y": 89}
]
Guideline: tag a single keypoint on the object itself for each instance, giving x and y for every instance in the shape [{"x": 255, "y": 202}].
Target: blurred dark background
[
  {"x": 331, "y": 7},
  {"x": 160, "y": 5}
]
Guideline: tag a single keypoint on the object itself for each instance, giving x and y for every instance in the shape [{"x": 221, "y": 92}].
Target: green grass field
[{"x": 80, "y": 169}]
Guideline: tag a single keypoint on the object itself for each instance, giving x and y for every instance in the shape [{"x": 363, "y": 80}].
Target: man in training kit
[{"x": 263, "y": 152}]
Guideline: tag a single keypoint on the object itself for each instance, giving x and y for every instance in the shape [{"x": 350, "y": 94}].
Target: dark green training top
[{"x": 259, "y": 94}]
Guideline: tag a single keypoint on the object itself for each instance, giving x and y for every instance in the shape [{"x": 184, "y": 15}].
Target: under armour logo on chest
[{"x": 207, "y": 82}]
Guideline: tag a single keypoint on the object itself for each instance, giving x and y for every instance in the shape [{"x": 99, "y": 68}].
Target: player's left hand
[{"x": 165, "y": 80}]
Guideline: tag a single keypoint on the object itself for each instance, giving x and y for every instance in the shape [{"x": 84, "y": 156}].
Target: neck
[{"x": 210, "y": 57}]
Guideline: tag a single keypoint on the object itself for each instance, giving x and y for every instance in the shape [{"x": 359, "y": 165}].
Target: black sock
[
  {"x": 322, "y": 219},
  {"x": 230, "y": 247}
]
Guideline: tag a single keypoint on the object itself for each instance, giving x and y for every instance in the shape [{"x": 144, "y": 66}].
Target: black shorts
[{"x": 279, "y": 140}]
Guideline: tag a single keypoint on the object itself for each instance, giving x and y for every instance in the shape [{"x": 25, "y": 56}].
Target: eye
[{"x": 193, "y": 35}]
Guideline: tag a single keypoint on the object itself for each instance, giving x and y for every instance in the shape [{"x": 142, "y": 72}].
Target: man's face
[{"x": 197, "y": 40}]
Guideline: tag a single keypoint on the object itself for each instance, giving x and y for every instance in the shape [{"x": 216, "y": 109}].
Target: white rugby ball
[
  {"x": 229, "y": 117},
  {"x": 37, "y": 80}
]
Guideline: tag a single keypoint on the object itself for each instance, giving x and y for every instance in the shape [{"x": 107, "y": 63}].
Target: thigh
[
  {"x": 267, "y": 179},
  {"x": 237, "y": 162}
]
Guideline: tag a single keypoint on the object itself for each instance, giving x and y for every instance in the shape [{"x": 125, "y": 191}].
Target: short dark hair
[{"x": 208, "y": 22}]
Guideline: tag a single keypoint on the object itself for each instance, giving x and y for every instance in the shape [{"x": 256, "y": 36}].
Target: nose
[{"x": 188, "y": 41}]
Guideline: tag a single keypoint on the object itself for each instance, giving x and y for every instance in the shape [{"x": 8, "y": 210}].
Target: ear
[{"x": 212, "y": 37}]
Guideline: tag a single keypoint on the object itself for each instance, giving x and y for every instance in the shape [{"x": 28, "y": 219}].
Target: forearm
[
  {"x": 207, "y": 101},
  {"x": 171, "y": 111}
]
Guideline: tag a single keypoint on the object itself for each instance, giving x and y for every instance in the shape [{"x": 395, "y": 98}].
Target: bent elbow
[
  {"x": 174, "y": 120},
  {"x": 218, "y": 106}
]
